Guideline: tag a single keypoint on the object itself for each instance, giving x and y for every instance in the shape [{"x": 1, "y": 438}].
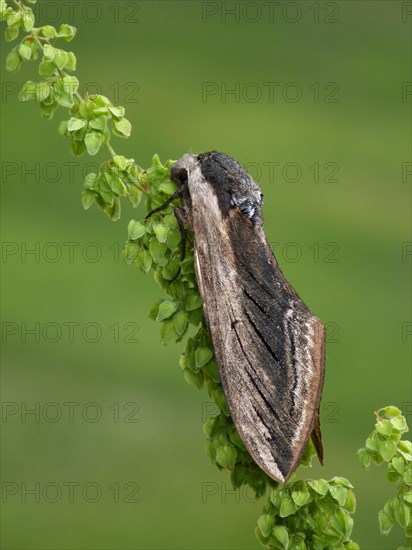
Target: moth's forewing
[{"x": 269, "y": 348}]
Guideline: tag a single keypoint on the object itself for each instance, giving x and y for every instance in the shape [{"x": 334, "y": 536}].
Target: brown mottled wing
[{"x": 269, "y": 347}]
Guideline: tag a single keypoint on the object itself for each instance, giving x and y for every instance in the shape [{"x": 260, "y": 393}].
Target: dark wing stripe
[
  {"x": 256, "y": 381},
  {"x": 262, "y": 338},
  {"x": 258, "y": 305}
]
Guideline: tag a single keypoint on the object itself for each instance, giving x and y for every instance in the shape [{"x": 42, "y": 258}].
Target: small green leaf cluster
[
  {"x": 88, "y": 130},
  {"x": 93, "y": 118},
  {"x": 57, "y": 87},
  {"x": 21, "y": 18},
  {"x": 309, "y": 515},
  {"x": 155, "y": 243},
  {"x": 116, "y": 178},
  {"x": 227, "y": 451},
  {"x": 88, "y": 127},
  {"x": 385, "y": 445}
]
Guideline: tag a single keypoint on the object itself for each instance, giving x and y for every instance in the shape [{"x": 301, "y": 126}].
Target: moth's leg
[
  {"x": 181, "y": 218},
  {"x": 175, "y": 195}
]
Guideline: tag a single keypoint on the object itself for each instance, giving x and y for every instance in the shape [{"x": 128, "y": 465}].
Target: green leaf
[
  {"x": 117, "y": 186},
  {"x": 117, "y": 112},
  {"x": 28, "y": 21},
  {"x": 387, "y": 449},
  {"x": 47, "y": 110},
  {"x": 218, "y": 396},
  {"x": 14, "y": 18},
  {"x": 171, "y": 221},
  {"x": 161, "y": 232},
  {"x": 99, "y": 123},
  {"x": 60, "y": 59},
  {"x": 170, "y": 270},
  {"x": 88, "y": 197},
  {"x": 167, "y": 187},
  {"x": 180, "y": 323},
  {"x": 398, "y": 464},
  {"x": 337, "y": 480},
  {"x": 388, "y": 412},
  {"x": 226, "y": 456},
  {"x": 107, "y": 196},
  {"x": 134, "y": 196},
  {"x": 70, "y": 84},
  {"x": 157, "y": 250},
  {"x": 281, "y": 534},
  {"x": 77, "y": 148},
  {"x": 300, "y": 495},
  {"x": 49, "y": 52},
  {"x": 28, "y": 91},
  {"x": 24, "y": 51},
  {"x": 385, "y": 523},
  {"x": 364, "y": 457},
  {"x": 123, "y": 126},
  {"x": 120, "y": 161},
  {"x": 339, "y": 493},
  {"x": 320, "y": 486},
  {"x": 407, "y": 495},
  {"x": 399, "y": 423},
  {"x": 129, "y": 252},
  {"x": 143, "y": 260},
  {"x": 153, "y": 311},
  {"x": 62, "y": 128},
  {"x": 212, "y": 372},
  {"x": 372, "y": 443},
  {"x": 71, "y": 61},
  {"x": 405, "y": 448},
  {"x": 194, "y": 301},
  {"x": 46, "y": 68},
  {"x": 93, "y": 141},
  {"x": 42, "y": 91},
  {"x": 384, "y": 427},
  {"x": 194, "y": 378},
  {"x": 287, "y": 506},
  {"x": 404, "y": 515},
  {"x": 48, "y": 31},
  {"x": 135, "y": 230},
  {"x": 166, "y": 310},
  {"x": 174, "y": 238},
  {"x": 75, "y": 124},
  {"x": 11, "y": 33},
  {"x": 350, "y": 504},
  {"x": 12, "y": 61},
  {"x": 202, "y": 356},
  {"x": 63, "y": 97},
  {"x": 195, "y": 316},
  {"x": 67, "y": 32},
  {"x": 265, "y": 524}
]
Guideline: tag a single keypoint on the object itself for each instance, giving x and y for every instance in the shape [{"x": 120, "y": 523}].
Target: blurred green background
[{"x": 339, "y": 242}]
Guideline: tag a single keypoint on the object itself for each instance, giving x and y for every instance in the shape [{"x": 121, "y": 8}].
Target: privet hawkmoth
[{"x": 269, "y": 348}]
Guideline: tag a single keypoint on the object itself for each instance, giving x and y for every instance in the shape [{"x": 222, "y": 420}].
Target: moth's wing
[{"x": 269, "y": 347}]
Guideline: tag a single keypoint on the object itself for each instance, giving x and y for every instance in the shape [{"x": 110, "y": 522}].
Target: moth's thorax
[{"x": 216, "y": 176}]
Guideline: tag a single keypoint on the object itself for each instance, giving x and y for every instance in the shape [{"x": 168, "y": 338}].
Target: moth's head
[{"x": 180, "y": 169}]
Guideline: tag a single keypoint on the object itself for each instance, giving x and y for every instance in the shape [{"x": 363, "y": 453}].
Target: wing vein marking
[
  {"x": 258, "y": 305},
  {"x": 265, "y": 399},
  {"x": 261, "y": 337}
]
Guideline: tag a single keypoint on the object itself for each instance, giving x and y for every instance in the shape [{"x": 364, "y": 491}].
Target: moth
[{"x": 269, "y": 347}]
